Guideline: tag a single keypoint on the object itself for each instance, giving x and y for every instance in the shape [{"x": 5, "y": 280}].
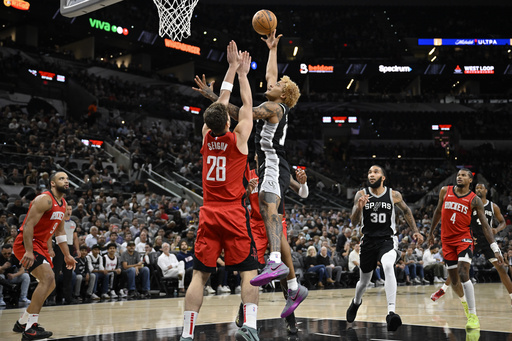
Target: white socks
[
  {"x": 469, "y": 292},
  {"x": 24, "y": 318},
  {"x": 292, "y": 284},
  {"x": 444, "y": 287},
  {"x": 275, "y": 257},
  {"x": 250, "y": 315},
  {"x": 32, "y": 318},
  {"x": 189, "y": 323}
]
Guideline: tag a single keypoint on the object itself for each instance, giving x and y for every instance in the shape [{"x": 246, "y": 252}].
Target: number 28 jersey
[
  {"x": 223, "y": 169},
  {"x": 379, "y": 214},
  {"x": 456, "y": 217}
]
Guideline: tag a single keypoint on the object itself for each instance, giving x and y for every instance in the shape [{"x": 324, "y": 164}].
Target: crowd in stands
[{"x": 135, "y": 226}]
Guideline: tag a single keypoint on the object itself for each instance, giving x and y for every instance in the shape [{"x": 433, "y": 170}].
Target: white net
[{"x": 175, "y": 17}]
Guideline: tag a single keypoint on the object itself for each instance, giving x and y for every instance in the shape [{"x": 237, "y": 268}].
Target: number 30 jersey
[
  {"x": 379, "y": 214},
  {"x": 223, "y": 168},
  {"x": 456, "y": 217}
]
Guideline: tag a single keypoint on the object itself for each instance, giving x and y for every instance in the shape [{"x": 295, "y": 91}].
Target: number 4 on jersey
[{"x": 453, "y": 218}]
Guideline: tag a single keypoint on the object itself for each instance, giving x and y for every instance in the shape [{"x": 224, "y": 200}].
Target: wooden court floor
[{"x": 320, "y": 317}]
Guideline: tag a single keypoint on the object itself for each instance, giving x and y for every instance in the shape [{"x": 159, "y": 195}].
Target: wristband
[
  {"x": 304, "y": 190},
  {"x": 495, "y": 248},
  {"x": 61, "y": 239},
  {"x": 226, "y": 86}
]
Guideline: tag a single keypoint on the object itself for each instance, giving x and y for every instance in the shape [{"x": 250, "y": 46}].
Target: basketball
[{"x": 264, "y": 22}]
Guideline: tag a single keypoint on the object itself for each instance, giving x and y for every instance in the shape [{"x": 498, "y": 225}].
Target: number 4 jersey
[
  {"x": 223, "y": 168},
  {"x": 456, "y": 217},
  {"x": 379, "y": 214}
]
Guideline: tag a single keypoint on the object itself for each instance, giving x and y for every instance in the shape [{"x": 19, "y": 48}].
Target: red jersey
[
  {"x": 46, "y": 226},
  {"x": 223, "y": 168},
  {"x": 456, "y": 216},
  {"x": 254, "y": 200}
]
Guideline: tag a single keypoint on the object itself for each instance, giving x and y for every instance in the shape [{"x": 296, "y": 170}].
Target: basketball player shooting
[
  {"x": 273, "y": 169},
  {"x": 454, "y": 210},
  {"x": 374, "y": 210},
  {"x": 44, "y": 218},
  {"x": 223, "y": 220}
]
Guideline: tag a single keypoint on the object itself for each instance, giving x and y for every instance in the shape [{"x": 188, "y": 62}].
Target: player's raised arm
[
  {"x": 40, "y": 205},
  {"x": 272, "y": 41},
  {"x": 227, "y": 85},
  {"x": 359, "y": 201},
  {"x": 244, "y": 127}
]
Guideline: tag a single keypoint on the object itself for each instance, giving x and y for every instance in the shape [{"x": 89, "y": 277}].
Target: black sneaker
[
  {"x": 291, "y": 324},
  {"x": 239, "y": 320},
  {"x": 394, "y": 321},
  {"x": 35, "y": 334},
  {"x": 352, "y": 311},
  {"x": 20, "y": 328}
]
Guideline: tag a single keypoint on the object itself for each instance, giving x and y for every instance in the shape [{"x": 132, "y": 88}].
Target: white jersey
[
  {"x": 110, "y": 264},
  {"x": 69, "y": 228}
]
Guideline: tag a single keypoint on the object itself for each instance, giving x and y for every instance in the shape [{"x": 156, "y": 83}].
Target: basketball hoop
[{"x": 175, "y": 17}]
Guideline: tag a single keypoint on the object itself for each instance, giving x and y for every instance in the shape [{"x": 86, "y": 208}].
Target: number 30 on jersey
[{"x": 217, "y": 168}]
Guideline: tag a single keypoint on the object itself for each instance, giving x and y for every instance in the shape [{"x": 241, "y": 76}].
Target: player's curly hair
[
  {"x": 291, "y": 91},
  {"x": 215, "y": 117}
]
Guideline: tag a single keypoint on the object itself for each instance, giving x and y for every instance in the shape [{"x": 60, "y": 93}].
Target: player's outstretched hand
[
  {"x": 272, "y": 40},
  {"x": 245, "y": 63},
  {"x": 233, "y": 54},
  {"x": 203, "y": 88}
]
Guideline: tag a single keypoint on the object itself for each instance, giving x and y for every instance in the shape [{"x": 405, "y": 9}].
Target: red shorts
[
  {"x": 38, "y": 246},
  {"x": 225, "y": 227},
  {"x": 452, "y": 251},
  {"x": 259, "y": 234}
]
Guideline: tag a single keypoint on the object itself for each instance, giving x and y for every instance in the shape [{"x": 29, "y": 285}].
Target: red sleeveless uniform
[
  {"x": 43, "y": 230},
  {"x": 455, "y": 224},
  {"x": 223, "y": 218}
]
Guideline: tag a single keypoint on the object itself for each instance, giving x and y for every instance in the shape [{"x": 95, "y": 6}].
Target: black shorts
[
  {"x": 38, "y": 260},
  {"x": 372, "y": 250},
  {"x": 483, "y": 247}
]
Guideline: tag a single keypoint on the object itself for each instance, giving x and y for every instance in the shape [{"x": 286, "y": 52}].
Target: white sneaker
[
  {"x": 238, "y": 289},
  {"x": 2, "y": 302},
  {"x": 24, "y": 301},
  {"x": 438, "y": 280},
  {"x": 380, "y": 282},
  {"x": 122, "y": 293},
  {"x": 416, "y": 280},
  {"x": 219, "y": 290},
  {"x": 105, "y": 296},
  {"x": 209, "y": 290},
  {"x": 95, "y": 297},
  {"x": 113, "y": 294},
  {"x": 226, "y": 289}
]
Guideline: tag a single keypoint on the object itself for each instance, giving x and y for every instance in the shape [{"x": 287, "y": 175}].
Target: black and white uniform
[
  {"x": 482, "y": 245},
  {"x": 273, "y": 169},
  {"x": 378, "y": 228}
]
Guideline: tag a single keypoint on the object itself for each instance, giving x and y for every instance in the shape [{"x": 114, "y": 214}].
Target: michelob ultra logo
[{"x": 103, "y": 25}]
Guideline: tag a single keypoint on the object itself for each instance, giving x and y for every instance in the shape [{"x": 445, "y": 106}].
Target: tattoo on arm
[
  {"x": 356, "y": 212},
  {"x": 233, "y": 111},
  {"x": 267, "y": 110},
  {"x": 409, "y": 218}
]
